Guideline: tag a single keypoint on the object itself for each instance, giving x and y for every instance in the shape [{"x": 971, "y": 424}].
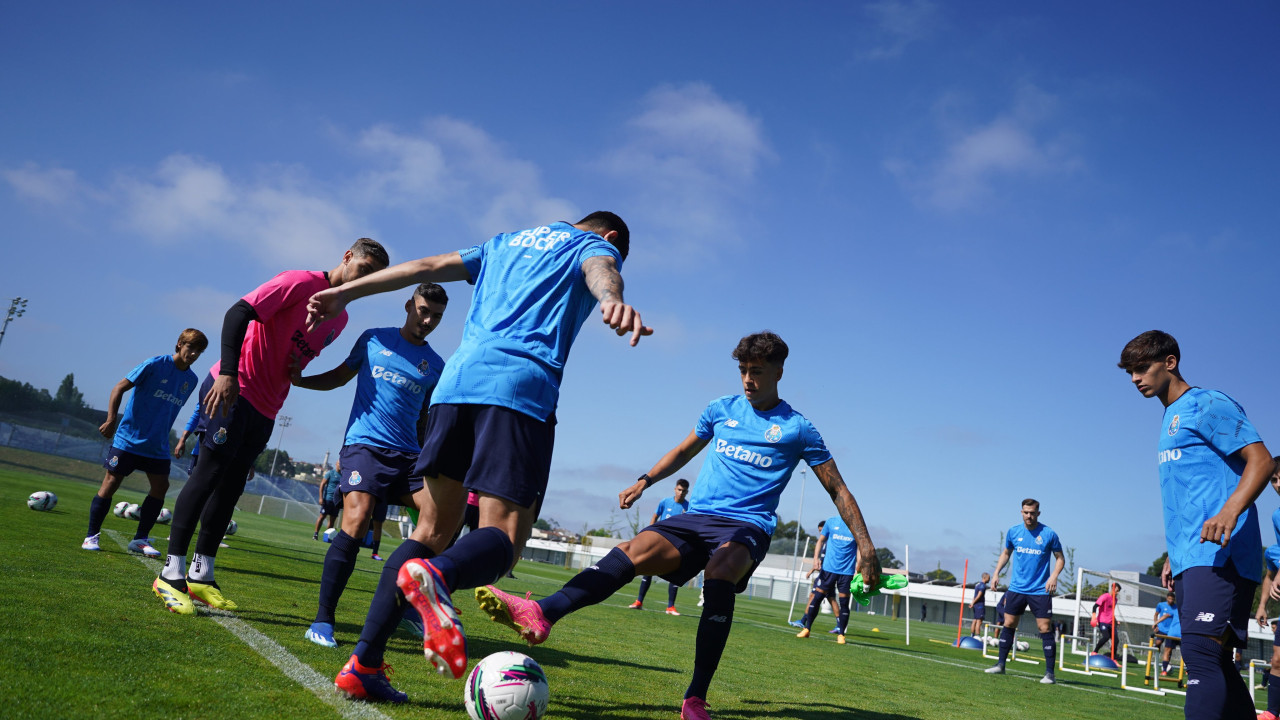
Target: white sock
[
  {"x": 201, "y": 568},
  {"x": 175, "y": 568}
]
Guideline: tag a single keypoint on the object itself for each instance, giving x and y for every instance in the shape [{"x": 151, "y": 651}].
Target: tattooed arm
[
  {"x": 604, "y": 282},
  {"x": 868, "y": 563}
]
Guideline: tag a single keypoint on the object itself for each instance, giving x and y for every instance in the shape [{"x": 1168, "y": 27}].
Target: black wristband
[{"x": 648, "y": 481}]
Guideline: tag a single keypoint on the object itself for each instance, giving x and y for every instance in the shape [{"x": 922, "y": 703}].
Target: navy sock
[
  {"x": 590, "y": 586},
  {"x": 339, "y": 562},
  {"x": 842, "y": 621},
  {"x": 1207, "y": 686},
  {"x": 98, "y": 509},
  {"x": 147, "y": 514},
  {"x": 1050, "y": 651},
  {"x": 387, "y": 607},
  {"x": 645, "y": 581},
  {"x": 478, "y": 558},
  {"x": 1006, "y": 643},
  {"x": 375, "y": 544},
  {"x": 1273, "y": 696},
  {"x": 672, "y": 589},
  {"x": 713, "y": 633},
  {"x": 815, "y": 606}
]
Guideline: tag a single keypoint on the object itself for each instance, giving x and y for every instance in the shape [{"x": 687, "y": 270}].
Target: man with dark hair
[
  {"x": 1031, "y": 584},
  {"x": 492, "y": 422},
  {"x": 756, "y": 440},
  {"x": 1213, "y": 465},
  {"x": 979, "y": 606},
  {"x": 140, "y": 436},
  {"x": 667, "y": 507},
  {"x": 839, "y": 552},
  {"x": 265, "y": 336},
  {"x": 395, "y": 369}
]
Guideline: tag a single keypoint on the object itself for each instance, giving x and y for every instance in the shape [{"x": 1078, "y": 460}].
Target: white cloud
[
  {"x": 897, "y": 24},
  {"x": 53, "y": 186}
]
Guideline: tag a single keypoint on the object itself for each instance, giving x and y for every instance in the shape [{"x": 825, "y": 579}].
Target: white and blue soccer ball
[
  {"x": 165, "y": 517},
  {"x": 507, "y": 686},
  {"x": 1022, "y": 646},
  {"x": 42, "y": 501},
  {"x": 232, "y": 527},
  {"x": 330, "y": 534},
  {"x": 120, "y": 507},
  {"x": 133, "y": 511}
]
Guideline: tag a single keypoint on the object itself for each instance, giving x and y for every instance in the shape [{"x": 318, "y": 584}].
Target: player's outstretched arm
[
  {"x": 1261, "y": 615},
  {"x": 868, "y": 563},
  {"x": 108, "y": 428},
  {"x": 328, "y": 380},
  {"x": 605, "y": 283},
  {"x": 329, "y": 303},
  {"x": 1257, "y": 473},
  {"x": 676, "y": 458}
]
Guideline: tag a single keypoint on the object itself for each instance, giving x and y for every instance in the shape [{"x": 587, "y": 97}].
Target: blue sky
[{"x": 955, "y": 215}]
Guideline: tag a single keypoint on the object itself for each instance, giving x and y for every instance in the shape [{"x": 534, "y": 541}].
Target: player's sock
[
  {"x": 590, "y": 586},
  {"x": 1206, "y": 661},
  {"x": 374, "y": 545},
  {"x": 1164, "y": 666},
  {"x": 815, "y": 606},
  {"x": 1239, "y": 703},
  {"x": 339, "y": 562},
  {"x": 98, "y": 509},
  {"x": 1273, "y": 695},
  {"x": 842, "y": 620},
  {"x": 387, "y": 607},
  {"x": 478, "y": 558},
  {"x": 201, "y": 569},
  {"x": 175, "y": 570},
  {"x": 713, "y": 633},
  {"x": 147, "y": 514},
  {"x": 1006, "y": 643},
  {"x": 1050, "y": 651},
  {"x": 645, "y": 581},
  {"x": 671, "y": 594}
]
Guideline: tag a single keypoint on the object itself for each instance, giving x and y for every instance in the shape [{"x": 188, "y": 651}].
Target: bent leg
[{"x": 728, "y": 565}]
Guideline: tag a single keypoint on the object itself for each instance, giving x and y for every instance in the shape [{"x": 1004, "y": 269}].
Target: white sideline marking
[{"x": 269, "y": 649}]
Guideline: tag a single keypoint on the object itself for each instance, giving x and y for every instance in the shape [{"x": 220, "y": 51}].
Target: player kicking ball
[
  {"x": 140, "y": 437},
  {"x": 756, "y": 440},
  {"x": 395, "y": 371}
]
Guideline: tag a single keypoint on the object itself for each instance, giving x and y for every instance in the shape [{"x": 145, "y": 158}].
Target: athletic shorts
[
  {"x": 1173, "y": 643},
  {"x": 1215, "y": 601},
  {"x": 697, "y": 536},
  {"x": 381, "y": 472},
  {"x": 120, "y": 463},
  {"x": 330, "y": 507},
  {"x": 1017, "y": 603},
  {"x": 489, "y": 449},
  {"x": 829, "y": 580},
  {"x": 979, "y": 612},
  {"x": 1276, "y": 641},
  {"x": 242, "y": 433}
]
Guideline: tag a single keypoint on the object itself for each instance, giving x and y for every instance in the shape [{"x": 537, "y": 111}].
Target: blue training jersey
[
  {"x": 1272, "y": 558},
  {"x": 840, "y": 553},
  {"x": 1202, "y": 432},
  {"x": 1031, "y": 553},
  {"x": 193, "y": 424},
  {"x": 332, "y": 484},
  {"x": 394, "y": 380},
  {"x": 750, "y": 458},
  {"x": 668, "y": 507},
  {"x": 1164, "y": 608},
  {"x": 160, "y": 390},
  {"x": 979, "y": 594},
  {"x": 530, "y": 302}
]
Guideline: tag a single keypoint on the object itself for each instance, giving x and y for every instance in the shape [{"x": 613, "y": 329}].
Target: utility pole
[
  {"x": 17, "y": 307},
  {"x": 283, "y": 422}
]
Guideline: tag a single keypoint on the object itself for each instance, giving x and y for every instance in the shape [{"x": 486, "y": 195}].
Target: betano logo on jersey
[
  {"x": 170, "y": 397},
  {"x": 738, "y": 452},
  {"x": 541, "y": 238},
  {"x": 1167, "y": 455},
  {"x": 395, "y": 378}
]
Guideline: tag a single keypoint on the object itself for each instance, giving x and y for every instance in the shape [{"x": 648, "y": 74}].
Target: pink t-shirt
[
  {"x": 280, "y": 332},
  {"x": 1106, "y": 608}
]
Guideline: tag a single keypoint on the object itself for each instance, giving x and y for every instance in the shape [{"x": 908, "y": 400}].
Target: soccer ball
[
  {"x": 330, "y": 534},
  {"x": 120, "y": 507},
  {"x": 42, "y": 501},
  {"x": 507, "y": 686},
  {"x": 1023, "y": 646},
  {"x": 165, "y": 517},
  {"x": 232, "y": 527},
  {"x": 133, "y": 511}
]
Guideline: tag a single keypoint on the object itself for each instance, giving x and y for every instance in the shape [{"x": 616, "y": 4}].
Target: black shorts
[
  {"x": 1017, "y": 603},
  {"x": 242, "y": 433},
  {"x": 489, "y": 449},
  {"x": 120, "y": 463},
  {"x": 383, "y": 473},
  {"x": 1276, "y": 641},
  {"x": 979, "y": 612},
  {"x": 330, "y": 507},
  {"x": 827, "y": 581},
  {"x": 1215, "y": 601},
  {"x": 697, "y": 537}
]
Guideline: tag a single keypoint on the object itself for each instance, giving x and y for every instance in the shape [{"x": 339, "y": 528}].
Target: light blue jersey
[
  {"x": 750, "y": 458},
  {"x": 840, "y": 553},
  {"x": 1202, "y": 432},
  {"x": 1275, "y": 524},
  {"x": 332, "y": 484},
  {"x": 1032, "y": 555},
  {"x": 530, "y": 302},
  {"x": 394, "y": 380},
  {"x": 193, "y": 422},
  {"x": 160, "y": 390},
  {"x": 1164, "y": 608},
  {"x": 1272, "y": 557},
  {"x": 668, "y": 507}
]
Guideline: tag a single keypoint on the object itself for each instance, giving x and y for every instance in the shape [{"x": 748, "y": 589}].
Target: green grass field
[{"x": 85, "y": 637}]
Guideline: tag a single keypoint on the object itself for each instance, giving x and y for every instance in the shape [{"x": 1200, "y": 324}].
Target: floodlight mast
[{"x": 17, "y": 308}]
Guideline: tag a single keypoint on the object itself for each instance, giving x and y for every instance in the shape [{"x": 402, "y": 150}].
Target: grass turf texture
[{"x": 85, "y": 637}]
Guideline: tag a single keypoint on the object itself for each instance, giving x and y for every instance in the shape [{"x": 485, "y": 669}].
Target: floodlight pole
[
  {"x": 283, "y": 421},
  {"x": 17, "y": 307}
]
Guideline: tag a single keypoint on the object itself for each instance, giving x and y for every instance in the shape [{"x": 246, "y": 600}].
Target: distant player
[
  {"x": 815, "y": 572},
  {"x": 1213, "y": 465},
  {"x": 1103, "y": 618},
  {"x": 1271, "y": 591},
  {"x": 330, "y": 497},
  {"x": 667, "y": 507},
  {"x": 839, "y": 551},
  {"x": 755, "y": 441},
  {"x": 395, "y": 370},
  {"x": 1030, "y": 544},
  {"x": 140, "y": 436},
  {"x": 979, "y": 606},
  {"x": 264, "y": 338},
  {"x": 492, "y": 422},
  {"x": 1166, "y": 617}
]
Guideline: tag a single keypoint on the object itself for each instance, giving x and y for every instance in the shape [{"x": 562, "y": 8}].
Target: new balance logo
[
  {"x": 386, "y": 352},
  {"x": 718, "y": 618},
  {"x": 1204, "y": 617}
]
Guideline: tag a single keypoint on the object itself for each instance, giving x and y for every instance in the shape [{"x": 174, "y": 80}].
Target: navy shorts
[
  {"x": 1213, "y": 601},
  {"x": 979, "y": 612},
  {"x": 489, "y": 449},
  {"x": 1017, "y": 603},
  {"x": 1276, "y": 642},
  {"x": 120, "y": 463},
  {"x": 381, "y": 472},
  {"x": 697, "y": 536},
  {"x": 829, "y": 580},
  {"x": 330, "y": 507},
  {"x": 242, "y": 433}
]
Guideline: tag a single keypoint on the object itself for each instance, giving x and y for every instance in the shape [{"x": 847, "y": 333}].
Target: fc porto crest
[
  {"x": 329, "y": 338},
  {"x": 355, "y": 478},
  {"x": 186, "y": 386},
  {"x": 1173, "y": 425},
  {"x": 114, "y": 461},
  {"x": 220, "y": 437},
  {"x": 1039, "y": 541},
  {"x": 773, "y": 434},
  {"x": 424, "y": 367}
]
